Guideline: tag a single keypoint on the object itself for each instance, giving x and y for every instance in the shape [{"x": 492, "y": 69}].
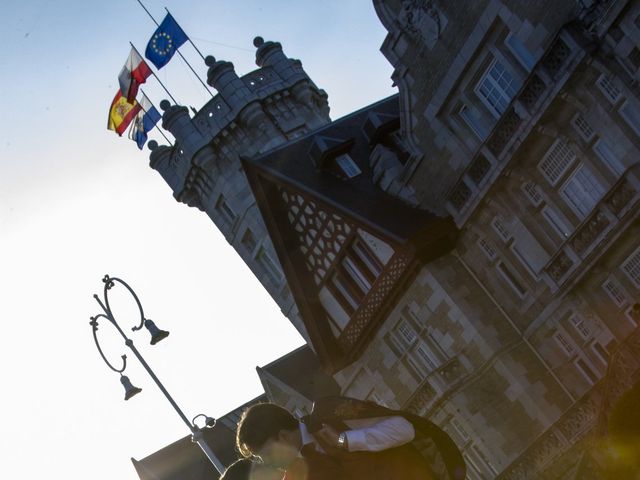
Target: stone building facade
[
  {"x": 523, "y": 123},
  {"x": 483, "y": 267},
  {"x": 250, "y": 114}
]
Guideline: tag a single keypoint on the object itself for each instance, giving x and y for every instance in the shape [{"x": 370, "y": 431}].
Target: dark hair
[
  {"x": 238, "y": 470},
  {"x": 260, "y": 423}
]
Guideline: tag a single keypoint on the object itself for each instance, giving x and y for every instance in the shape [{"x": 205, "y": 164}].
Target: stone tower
[{"x": 251, "y": 114}]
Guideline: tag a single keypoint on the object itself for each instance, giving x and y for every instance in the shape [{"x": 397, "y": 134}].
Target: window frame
[
  {"x": 556, "y": 220},
  {"x": 580, "y": 124},
  {"x": 503, "y": 95},
  {"x": 633, "y": 276},
  {"x": 569, "y": 157},
  {"x": 608, "y": 88},
  {"x": 621, "y": 299},
  {"x": 570, "y": 196},
  {"x": 604, "y": 152}
]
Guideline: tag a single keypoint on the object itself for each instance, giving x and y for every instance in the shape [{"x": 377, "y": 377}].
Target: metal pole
[
  {"x": 177, "y": 50},
  {"x": 156, "y": 125},
  {"x": 196, "y": 432},
  {"x": 190, "y": 41},
  {"x": 198, "y": 437},
  {"x": 154, "y": 74}
]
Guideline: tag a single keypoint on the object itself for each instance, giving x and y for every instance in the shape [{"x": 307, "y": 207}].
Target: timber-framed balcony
[
  {"x": 609, "y": 218},
  {"x": 533, "y": 99}
]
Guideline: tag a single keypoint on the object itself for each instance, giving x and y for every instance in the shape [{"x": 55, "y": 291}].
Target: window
[
  {"x": 474, "y": 121},
  {"x": 496, "y": 88},
  {"x": 425, "y": 358},
  {"x": 608, "y": 88},
  {"x": 367, "y": 257},
  {"x": 600, "y": 352},
  {"x": 457, "y": 426},
  {"x": 355, "y": 274},
  {"x": 564, "y": 343},
  {"x": 633, "y": 314},
  {"x": 405, "y": 333},
  {"x": 631, "y": 115},
  {"x": 582, "y": 127},
  {"x": 520, "y": 51},
  {"x": 586, "y": 371},
  {"x": 227, "y": 214},
  {"x": 557, "y": 222},
  {"x": 532, "y": 193},
  {"x": 270, "y": 266},
  {"x": 512, "y": 280},
  {"x": 500, "y": 229},
  {"x": 522, "y": 257},
  {"x": 248, "y": 240},
  {"x": 615, "y": 291},
  {"x": 634, "y": 57},
  {"x": 578, "y": 323},
  {"x": 348, "y": 166},
  {"x": 609, "y": 158},
  {"x": 556, "y": 161},
  {"x": 631, "y": 267},
  {"x": 483, "y": 459},
  {"x": 487, "y": 248},
  {"x": 582, "y": 191}
]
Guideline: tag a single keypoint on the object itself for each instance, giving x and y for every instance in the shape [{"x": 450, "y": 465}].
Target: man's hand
[{"x": 328, "y": 438}]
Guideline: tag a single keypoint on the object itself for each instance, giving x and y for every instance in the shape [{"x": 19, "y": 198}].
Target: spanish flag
[{"x": 121, "y": 113}]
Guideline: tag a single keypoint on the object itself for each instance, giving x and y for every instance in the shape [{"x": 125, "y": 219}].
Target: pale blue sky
[{"x": 76, "y": 202}]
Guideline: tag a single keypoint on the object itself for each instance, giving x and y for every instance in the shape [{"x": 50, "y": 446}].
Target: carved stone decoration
[
  {"x": 620, "y": 197},
  {"x": 479, "y": 169},
  {"x": 452, "y": 370},
  {"x": 461, "y": 193},
  {"x": 532, "y": 92},
  {"x": 555, "y": 58},
  {"x": 559, "y": 267},
  {"x": 421, "y": 20},
  {"x": 423, "y": 397},
  {"x": 502, "y": 134},
  {"x": 592, "y": 229}
]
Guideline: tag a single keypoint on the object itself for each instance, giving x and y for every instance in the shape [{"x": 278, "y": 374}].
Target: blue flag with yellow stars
[{"x": 165, "y": 41}]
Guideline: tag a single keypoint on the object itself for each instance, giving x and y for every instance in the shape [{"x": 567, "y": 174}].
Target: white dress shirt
[{"x": 370, "y": 434}]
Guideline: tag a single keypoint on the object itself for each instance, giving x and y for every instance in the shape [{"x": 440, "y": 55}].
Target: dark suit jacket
[{"x": 432, "y": 453}]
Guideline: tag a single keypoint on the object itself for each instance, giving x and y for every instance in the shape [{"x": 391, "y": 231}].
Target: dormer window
[
  {"x": 348, "y": 167},
  {"x": 332, "y": 155}
]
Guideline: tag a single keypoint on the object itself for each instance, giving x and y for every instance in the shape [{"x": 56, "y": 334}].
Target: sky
[{"x": 77, "y": 202}]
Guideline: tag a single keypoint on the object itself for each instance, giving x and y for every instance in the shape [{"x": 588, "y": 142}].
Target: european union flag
[{"x": 165, "y": 41}]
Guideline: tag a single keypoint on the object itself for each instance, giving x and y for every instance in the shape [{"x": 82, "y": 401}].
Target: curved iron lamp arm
[
  {"x": 109, "y": 282},
  {"x": 94, "y": 325}
]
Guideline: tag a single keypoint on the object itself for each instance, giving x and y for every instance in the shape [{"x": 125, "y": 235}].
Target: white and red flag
[{"x": 133, "y": 74}]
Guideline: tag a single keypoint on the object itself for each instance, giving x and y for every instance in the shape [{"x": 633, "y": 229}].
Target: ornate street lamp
[{"x": 156, "y": 336}]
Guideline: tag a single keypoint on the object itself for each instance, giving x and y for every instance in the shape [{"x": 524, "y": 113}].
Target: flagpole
[
  {"x": 190, "y": 41},
  {"x": 154, "y": 74},
  {"x": 155, "y": 125},
  {"x": 178, "y": 51}
]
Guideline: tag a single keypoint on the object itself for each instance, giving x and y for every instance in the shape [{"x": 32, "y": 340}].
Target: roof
[
  {"x": 301, "y": 371},
  {"x": 300, "y": 179},
  {"x": 184, "y": 460}
]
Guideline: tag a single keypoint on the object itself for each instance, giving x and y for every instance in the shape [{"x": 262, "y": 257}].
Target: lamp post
[{"x": 156, "y": 336}]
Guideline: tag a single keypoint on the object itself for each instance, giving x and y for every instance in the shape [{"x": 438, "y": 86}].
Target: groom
[{"x": 345, "y": 438}]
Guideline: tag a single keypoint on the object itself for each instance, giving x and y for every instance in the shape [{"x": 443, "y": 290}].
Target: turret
[
  {"x": 222, "y": 76},
  {"x": 177, "y": 120}
]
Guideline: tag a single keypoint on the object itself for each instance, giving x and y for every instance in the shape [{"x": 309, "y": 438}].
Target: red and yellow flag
[{"x": 121, "y": 113}]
